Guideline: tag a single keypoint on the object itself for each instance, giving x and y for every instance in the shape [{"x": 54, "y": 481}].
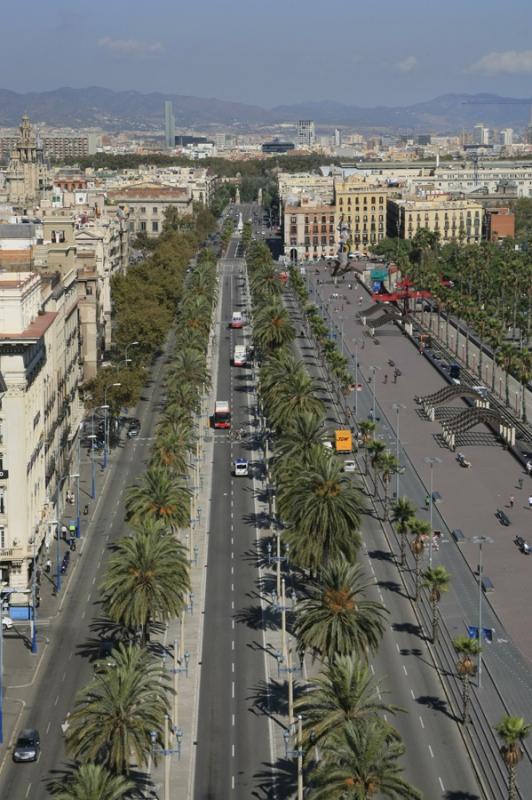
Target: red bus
[{"x": 222, "y": 414}]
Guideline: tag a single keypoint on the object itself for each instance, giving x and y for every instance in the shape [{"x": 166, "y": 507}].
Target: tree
[
  {"x": 92, "y": 782},
  {"x": 273, "y": 328},
  {"x": 387, "y": 465},
  {"x": 403, "y": 511},
  {"x": 367, "y": 429},
  {"x": 376, "y": 450},
  {"x": 296, "y": 394},
  {"x": 362, "y": 763},
  {"x": 466, "y": 668},
  {"x": 146, "y": 578},
  {"x": 173, "y": 445},
  {"x": 344, "y": 691},
  {"x": 159, "y": 496},
  {"x": 335, "y": 618},
  {"x": 116, "y": 713},
  {"x": 436, "y": 580},
  {"x": 322, "y": 507},
  {"x": 512, "y": 731},
  {"x": 189, "y": 365},
  {"x": 506, "y": 358},
  {"x": 419, "y": 529}
]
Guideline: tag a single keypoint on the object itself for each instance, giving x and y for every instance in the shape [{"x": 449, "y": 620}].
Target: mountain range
[{"x": 131, "y": 110}]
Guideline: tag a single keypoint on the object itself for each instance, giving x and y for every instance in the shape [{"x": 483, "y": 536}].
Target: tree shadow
[
  {"x": 260, "y": 520},
  {"x": 436, "y": 704},
  {"x": 276, "y": 780},
  {"x": 410, "y": 628},
  {"x": 271, "y": 697},
  {"x": 460, "y": 795},
  {"x": 381, "y": 555},
  {"x": 258, "y": 618},
  {"x": 392, "y": 586},
  {"x": 58, "y": 779}
]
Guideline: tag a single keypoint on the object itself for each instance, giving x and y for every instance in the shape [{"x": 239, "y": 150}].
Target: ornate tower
[{"x": 26, "y": 176}]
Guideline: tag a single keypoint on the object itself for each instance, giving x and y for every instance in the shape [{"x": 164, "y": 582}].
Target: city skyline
[{"x": 361, "y": 62}]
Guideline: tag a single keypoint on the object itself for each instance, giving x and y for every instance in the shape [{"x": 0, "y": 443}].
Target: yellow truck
[{"x": 343, "y": 441}]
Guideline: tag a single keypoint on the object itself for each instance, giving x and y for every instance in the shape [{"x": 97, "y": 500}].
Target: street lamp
[
  {"x": 431, "y": 461},
  {"x": 373, "y": 371},
  {"x": 480, "y": 540},
  {"x": 397, "y": 407},
  {"x": 92, "y": 437},
  {"x": 106, "y": 422},
  {"x": 131, "y": 344}
]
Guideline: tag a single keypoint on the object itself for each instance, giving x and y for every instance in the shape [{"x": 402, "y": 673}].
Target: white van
[{"x": 237, "y": 320}]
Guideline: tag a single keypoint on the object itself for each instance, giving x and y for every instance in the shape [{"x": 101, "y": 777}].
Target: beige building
[
  {"x": 361, "y": 207},
  {"x": 27, "y": 181},
  {"x": 293, "y": 186},
  {"x": 146, "y": 204},
  {"x": 309, "y": 232},
  {"x": 452, "y": 219},
  {"x": 39, "y": 413}
]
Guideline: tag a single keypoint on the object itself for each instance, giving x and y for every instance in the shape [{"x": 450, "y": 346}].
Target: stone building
[
  {"x": 146, "y": 203},
  {"x": 27, "y": 178}
]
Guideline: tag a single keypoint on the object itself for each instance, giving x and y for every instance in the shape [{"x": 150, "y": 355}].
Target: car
[
  {"x": 240, "y": 468},
  {"x": 7, "y": 623},
  {"x": 350, "y": 466},
  {"x": 104, "y": 659},
  {"x": 28, "y": 745},
  {"x": 133, "y": 429}
]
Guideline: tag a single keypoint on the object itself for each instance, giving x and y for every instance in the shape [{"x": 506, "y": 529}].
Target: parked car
[
  {"x": 350, "y": 466},
  {"x": 7, "y": 623},
  {"x": 28, "y": 745}
]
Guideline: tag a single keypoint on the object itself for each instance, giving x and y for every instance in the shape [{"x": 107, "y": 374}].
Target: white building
[{"x": 306, "y": 133}]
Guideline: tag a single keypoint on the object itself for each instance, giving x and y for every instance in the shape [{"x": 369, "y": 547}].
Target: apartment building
[
  {"x": 292, "y": 186},
  {"x": 361, "y": 206},
  {"x": 56, "y": 146},
  {"x": 306, "y": 133},
  {"x": 309, "y": 231},
  {"x": 146, "y": 203},
  {"x": 39, "y": 413},
  {"x": 453, "y": 219}
]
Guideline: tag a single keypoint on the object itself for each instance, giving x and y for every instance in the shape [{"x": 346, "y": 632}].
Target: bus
[{"x": 222, "y": 414}]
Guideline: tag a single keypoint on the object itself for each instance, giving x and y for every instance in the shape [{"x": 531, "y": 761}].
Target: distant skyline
[{"x": 271, "y": 53}]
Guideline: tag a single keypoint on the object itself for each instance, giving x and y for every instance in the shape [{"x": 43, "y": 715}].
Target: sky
[{"x": 271, "y": 52}]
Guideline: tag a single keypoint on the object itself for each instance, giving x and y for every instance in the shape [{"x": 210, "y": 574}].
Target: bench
[
  {"x": 502, "y": 517},
  {"x": 487, "y": 585},
  {"x": 458, "y": 535}
]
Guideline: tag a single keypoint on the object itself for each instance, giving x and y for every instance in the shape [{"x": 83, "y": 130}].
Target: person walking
[
  {"x": 530, "y": 502},
  {"x": 427, "y": 501},
  {"x": 511, "y": 501}
]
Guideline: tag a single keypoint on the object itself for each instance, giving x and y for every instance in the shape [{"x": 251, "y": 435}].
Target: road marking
[
  {"x": 404, "y": 670},
  {"x": 48, "y": 727},
  {"x": 421, "y": 721},
  {"x": 89, "y": 598},
  {"x": 397, "y": 647},
  {"x": 56, "y": 700},
  {"x": 233, "y": 624},
  {"x": 441, "y": 784},
  {"x": 233, "y": 645},
  {"x": 28, "y": 790},
  {"x": 412, "y": 693},
  {"x": 232, "y": 670},
  {"x": 64, "y": 676},
  {"x": 232, "y": 554},
  {"x": 94, "y": 580},
  {"x": 233, "y": 720},
  {"x": 232, "y": 570},
  {"x": 232, "y": 539},
  {"x": 232, "y": 605},
  {"x": 430, "y": 751},
  {"x": 232, "y": 782},
  {"x": 233, "y": 689},
  {"x": 83, "y": 614},
  {"x": 233, "y": 750},
  {"x": 232, "y": 587},
  {"x": 71, "y": 654}
]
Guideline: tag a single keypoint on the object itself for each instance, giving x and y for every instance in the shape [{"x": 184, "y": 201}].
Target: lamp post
[
  {"x": 106, "y": 422},
  {"x": 373, "y": 371},
  {"x": 92, "y": 437},
  {"x": 33, "y": 597},
  {"x": 131, "y": 344},
  {"x": 397, "y": 407},
  {"x": 480, "y": 540},
  {"x": 431, "y": 461}
]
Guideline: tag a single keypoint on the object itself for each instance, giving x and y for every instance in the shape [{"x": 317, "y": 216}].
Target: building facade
[
  {"x": 146, "y": 204},
  {"x": 451, "y": 219},
  {"x": 169, "y": 124},
  {"x": 309, "y": 232},
  {"x": 361, "y": 207},
  {"x": 306, "y": 133}
]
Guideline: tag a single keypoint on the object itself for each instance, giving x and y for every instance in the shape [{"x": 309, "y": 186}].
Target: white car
[
  {"x": 350, "y": 466},
  {"x": 7, "y": 623},
  {"x": 240, "y": 468}
]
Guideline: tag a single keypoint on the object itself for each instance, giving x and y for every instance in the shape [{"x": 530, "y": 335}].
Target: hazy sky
[{"x": 270, "y": 52}]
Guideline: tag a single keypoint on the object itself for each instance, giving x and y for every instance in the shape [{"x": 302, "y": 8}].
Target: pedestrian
[
  {"x": 64, "y": 532},
  {"x": 427, "y": 501},
  {"x": 511, "y": 501},
  {"x": 48, "y": 565},
  {"x": 530, "y": 502},
  {"x": 520, "y": 483},
  {"x": 385, "y": 377}
]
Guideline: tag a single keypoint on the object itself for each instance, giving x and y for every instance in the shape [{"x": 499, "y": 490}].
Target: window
[
  {"x": 293, "y": 220},
  {"x": 154, "y": 210},
  {"x": 143, "y": 227},
  {"x": 58, "y": 237},
  {"x": 2, "y": 503},
  {"x": 155, "y": 227},
  {"x": 88, "y": 289},
  {"x": 2, "y": 537},
  {"x": 143, "y": 209}
]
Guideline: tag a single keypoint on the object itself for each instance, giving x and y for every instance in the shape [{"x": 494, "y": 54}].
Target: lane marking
[
  {"x": 233, "y": 645},
  {"x": 48, "y": 727},
  {"x": 28, "y": 790},
  {"x": 233, "y": 720},
  {"x": 421, "y": 721},
  {"x": 397, "y": 647},
  {"x": 56, "y": 700},
  {"x": 404, "y": 670},
  {"x": 232, "y": 587},
  {"x": 441, "y": 784},
  {"x": 430, "y": 751},
  {"x": 412, "y": 693}
]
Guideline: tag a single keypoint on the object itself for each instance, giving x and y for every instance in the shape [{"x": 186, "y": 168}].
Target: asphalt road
[
  {"x": 233, "y": 740},
  {"x": 435, "y": 761},
  {"x": 66, "y": 665}
]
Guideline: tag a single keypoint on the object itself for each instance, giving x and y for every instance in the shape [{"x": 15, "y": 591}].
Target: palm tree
[
  {"x": 362, "y": 763},
  {"x": 273, "y": 328},
  {"x": 92, "y": 782},
  {"x": 146, "y": 578},
  {"x": 376, "y": 449},
  {"x": 173, "y": 445},
  {"x": 403, "y": 511},
  {"x": 505, "y": 358},
  {"x": 266, "y": 283},
  {"x": 419, "y": 529},
  {"x": 523, "y": 369},
  {"x": 334, "y": 618},
  {"x": 345, "y": 690},
  {"x": 322, "y": 507},
  {"x": 306, "y": 430},
  {"x": 116, "y": 713},
  {"x": 466, "y": 668},
  {"x": 160, "y": 496},
  {"x": 387, "y": 465},
  {"x": 189, "y": 366},
  {"x": 367, "y": 429},
  {"x": 512, "y": 731},
  {"x": 436, "y": 580},
  {"x": 297, "y": 394}
]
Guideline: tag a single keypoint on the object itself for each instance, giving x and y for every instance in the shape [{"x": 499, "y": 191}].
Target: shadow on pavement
[
  {"x": 259, "y": 619},
  {"x": 271, "y": 697},
  {"x": 459, "y": 795},
  {"x": 276, "y": 780},
  {"x": 436, "y": 704},
  {"x": 392, "y": 586},
  {"x": 410, "y": 628}
]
